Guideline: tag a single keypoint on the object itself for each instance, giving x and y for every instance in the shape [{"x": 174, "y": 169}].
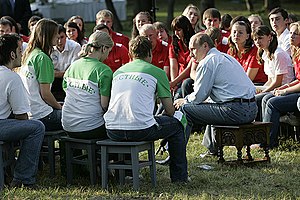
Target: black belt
[{"x": 241, "y": 100}]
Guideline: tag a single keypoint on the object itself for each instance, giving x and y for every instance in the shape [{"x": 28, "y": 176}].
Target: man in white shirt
[
  {"x": 14, "y": 105},
  {"x": 279, "y": 19},
  {"x": 63, "y": 55},
  {"x": 222, "y": 79}
]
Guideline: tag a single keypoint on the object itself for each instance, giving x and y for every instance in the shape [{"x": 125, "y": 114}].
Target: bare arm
[
  {"x": 181, "y": 76},
  {"x": 104, "y": 102},
  {"x": 168, "y": 106},
  {"x": 48, "y": 96},
  {"x": 173, "y": 68},
  {"x": 59, "y": 74},
  {"x": 274, "y": 83},
  {"x": 21, "y": 116},
  {"x": 251, "y": 73}
]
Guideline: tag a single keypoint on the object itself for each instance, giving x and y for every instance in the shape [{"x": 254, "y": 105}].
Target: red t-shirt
[
  {"x": 120, "y": 38},
  {"x": 160, "y": 55},
  {"x": 117, "y": 57},
  {"x": 223, "y": 46},
  {"x": 248, "y": 60},
  {"x": 183, "y": 57},
  {"x": 297, "y": 68}
]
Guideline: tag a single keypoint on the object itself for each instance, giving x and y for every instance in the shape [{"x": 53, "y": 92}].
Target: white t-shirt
[
  {"x": 85, "y": 81},
  {"x": 133, "y": 94},
  {"x": 62, "y": 60},
  {"x": 12, "y": 94},
  {"x": 280, "y": 64},
  {"x": 284, "y": 41},
  {"x": 37, "y": 70}
]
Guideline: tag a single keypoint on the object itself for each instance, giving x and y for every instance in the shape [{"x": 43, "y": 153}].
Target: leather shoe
[{"x": 164, "y": 162}]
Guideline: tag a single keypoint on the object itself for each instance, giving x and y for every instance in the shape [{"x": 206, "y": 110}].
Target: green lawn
[{"x": 278, "y": 180}]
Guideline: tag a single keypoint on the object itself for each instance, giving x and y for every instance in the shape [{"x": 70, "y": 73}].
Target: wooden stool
[
  {"x": 49, "y": 149},
  {"x": 7, "y": 158},
  {"x": 243, "y": 135},
  {"x": 133, "y": 148},
  {"x": 89, "y": 159}
]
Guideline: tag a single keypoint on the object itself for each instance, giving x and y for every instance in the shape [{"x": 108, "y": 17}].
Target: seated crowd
[{"x": 231, "y": 71}]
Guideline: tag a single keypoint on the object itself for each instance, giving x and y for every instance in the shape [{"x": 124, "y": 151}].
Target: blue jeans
[
  {"x": 31, "y": 134},
  {"x": 169, "y": 128},
  {"x": 187, "y": 87},
  {"x": 258, "y": 99},
  {"x": 275, "y": 106},
  {"x": 52, "y": 121},
  {"x": 230, "y": 113}
]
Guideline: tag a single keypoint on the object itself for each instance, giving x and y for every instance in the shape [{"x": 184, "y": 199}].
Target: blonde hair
[
  {"x": 41, "y": 37},
  {"x": 295, "y": 49},
  {"x": 104, "y": 13},
  {"x": 185, "y": 12},
  {"x": 97, "y": 40}
]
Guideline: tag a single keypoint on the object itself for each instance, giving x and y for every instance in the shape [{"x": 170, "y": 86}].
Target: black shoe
[
  {"x": 164, "y": 162},
  {"x": 19, "y": 184}
]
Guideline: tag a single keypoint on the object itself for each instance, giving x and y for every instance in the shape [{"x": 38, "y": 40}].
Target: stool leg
[
  {"x": 135, "y": 167},
  {"x": 1, "y": 169},
  {"x": 69, "y": 155},
  {"x": 104, "y": 164},
  {"x": 92, "y": 163},
  {"x": 239, "y": 155},
  {"x": 51, "y": 155},
  {"x": 121, "y": 157},
  {"x": 220, "y": 154},
  {"x": 249, "y": 157},
  {"x": 151, "y": 157}
]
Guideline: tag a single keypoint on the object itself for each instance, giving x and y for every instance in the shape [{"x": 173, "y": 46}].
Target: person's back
[
  {"x": 14, "y": 123},
  {"x": 87, "y": 83},
  {"x": 141, "y": 79},
  {"x": 130, "y": 113}
]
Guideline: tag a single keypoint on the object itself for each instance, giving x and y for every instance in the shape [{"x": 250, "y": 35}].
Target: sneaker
[
  {"x": 164, "y": 162},
  {"x": 208, "y": 153}
]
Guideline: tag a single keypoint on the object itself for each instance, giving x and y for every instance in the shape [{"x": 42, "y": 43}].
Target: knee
[{"x": 38, "y": 126}]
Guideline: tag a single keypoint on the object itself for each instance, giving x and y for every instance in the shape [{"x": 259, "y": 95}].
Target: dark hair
[
  {"x": 225, "y": 22},
  {"x": 140, "y": 47},
  {"x": 100, "y": 27},
  {"x": 240, "y": 18},
  {"x": 6, "y": 22},
  {"x": 13, "y": 22},
  {"x": 74, "y": 25},
  {"x": 135, "y": 31},
  {"x": 61, "y": 29},
  {"x": 261, "y": 31},
  {"x": 283, "y": 12},
  {"x": 8, "y": 43},
  {"x": 249, "y": 42},
  {"x": 182, "y": 22},
  {"x": 161, "y": 25},
  {"x": 81, "y": 19}
]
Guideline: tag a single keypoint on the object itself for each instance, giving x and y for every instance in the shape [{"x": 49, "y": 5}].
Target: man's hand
[{"x": 179, "y": 102}]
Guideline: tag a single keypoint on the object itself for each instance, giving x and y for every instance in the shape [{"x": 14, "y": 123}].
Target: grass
[{"x": 278, "y": 180}]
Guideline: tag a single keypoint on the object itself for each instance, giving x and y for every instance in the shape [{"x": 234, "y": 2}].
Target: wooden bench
[{"x": 243, "y": 135}]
